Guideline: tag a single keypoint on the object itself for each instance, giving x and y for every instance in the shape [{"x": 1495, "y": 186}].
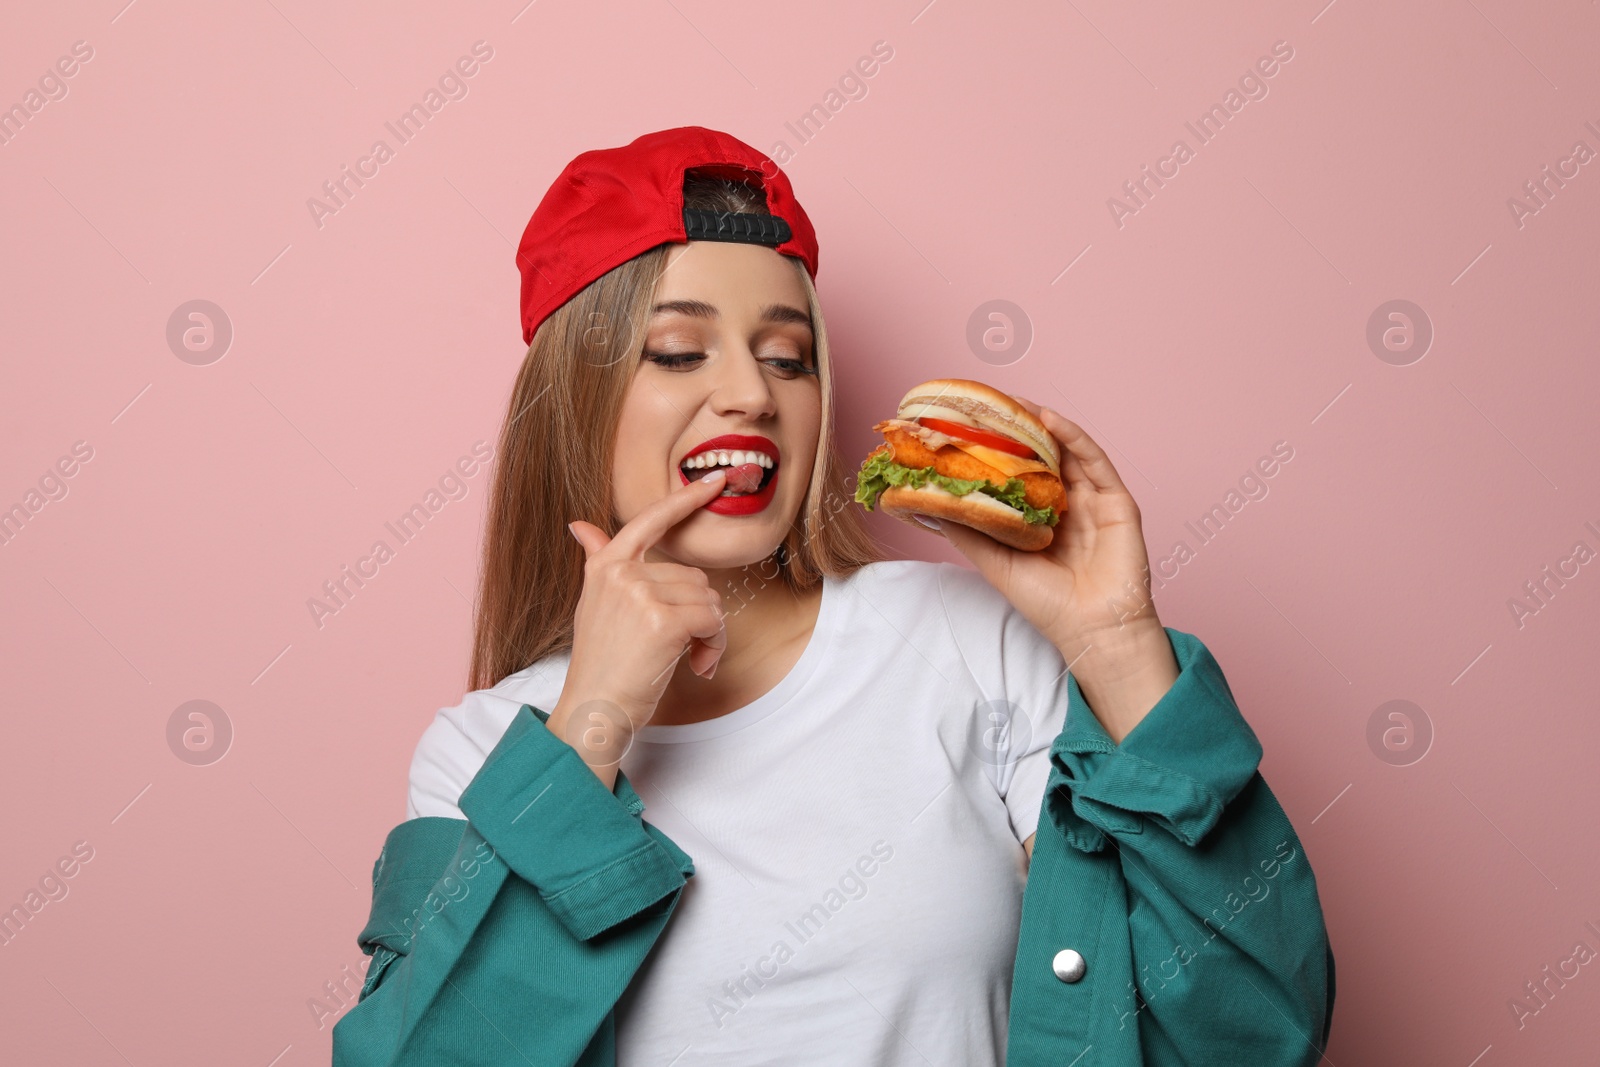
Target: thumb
[
  {"x": 590, "y": 536},
  {"x": 986, "y": 554}
]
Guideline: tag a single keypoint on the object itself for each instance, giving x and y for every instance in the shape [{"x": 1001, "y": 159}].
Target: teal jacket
[{"x": 1170, "y": 915}]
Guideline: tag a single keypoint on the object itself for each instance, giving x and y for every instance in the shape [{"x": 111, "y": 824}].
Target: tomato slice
[{"x": 980, "y": 437}]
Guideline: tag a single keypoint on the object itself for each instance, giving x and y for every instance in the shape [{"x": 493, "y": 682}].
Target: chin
[
  {"x": 709, "y": 555},
  {"x": 721, "y": 543}
]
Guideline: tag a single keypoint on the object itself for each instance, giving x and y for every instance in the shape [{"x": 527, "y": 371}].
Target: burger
[{"x": 961, "y": 451}]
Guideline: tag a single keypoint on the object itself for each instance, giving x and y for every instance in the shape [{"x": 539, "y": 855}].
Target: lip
[{"x": 751, "y": 503}]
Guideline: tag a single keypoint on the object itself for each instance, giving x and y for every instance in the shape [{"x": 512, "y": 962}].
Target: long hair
[{"x": 555, "y": 455}]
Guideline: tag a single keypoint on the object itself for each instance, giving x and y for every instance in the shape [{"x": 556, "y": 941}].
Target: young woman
[{"x": 680, "y": 613}]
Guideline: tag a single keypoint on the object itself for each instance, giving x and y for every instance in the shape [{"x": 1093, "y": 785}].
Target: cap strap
[{"x": 702, "y": 225}]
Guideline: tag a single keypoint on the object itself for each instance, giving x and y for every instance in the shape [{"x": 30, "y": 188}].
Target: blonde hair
[{"x": 556, "y": 450}]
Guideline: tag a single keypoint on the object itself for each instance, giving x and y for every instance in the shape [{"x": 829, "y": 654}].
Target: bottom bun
[{"x": 980, "y": 511}]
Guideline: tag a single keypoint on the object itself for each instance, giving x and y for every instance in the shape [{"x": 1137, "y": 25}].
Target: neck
[{"x": 768, "y": 625}]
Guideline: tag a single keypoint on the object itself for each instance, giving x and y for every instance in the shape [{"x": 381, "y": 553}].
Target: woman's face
[{"x": 727, "y": 377}]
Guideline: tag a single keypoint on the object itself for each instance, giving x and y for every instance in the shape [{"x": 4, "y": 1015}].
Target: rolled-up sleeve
[
  {"x": 583, "y": 848},
  {"x": 1224, "y": 936},
  {"x": 1178, "y": 768}
]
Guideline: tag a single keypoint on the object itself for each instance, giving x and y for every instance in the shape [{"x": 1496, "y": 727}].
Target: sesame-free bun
[
  {"x": 978, "y": 510},
  {"x": 963, "y": 400}
]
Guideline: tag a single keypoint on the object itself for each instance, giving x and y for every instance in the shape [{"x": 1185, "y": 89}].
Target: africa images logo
[
  {"x": 1252, "y": 85},
  {"x": 451, "y": 85}
]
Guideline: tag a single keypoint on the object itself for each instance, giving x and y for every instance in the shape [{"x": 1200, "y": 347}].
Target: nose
[{"x": 741, "y": 387}]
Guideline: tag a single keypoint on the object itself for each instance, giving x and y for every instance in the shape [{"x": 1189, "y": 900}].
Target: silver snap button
[{"x": 1068, "y": 965}]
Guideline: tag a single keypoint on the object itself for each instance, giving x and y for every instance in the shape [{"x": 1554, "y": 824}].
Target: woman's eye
[
  {"x": 787, "y": 367},
  {"x": 674, "y": 360},
  {"x": 784, "y": 367}
]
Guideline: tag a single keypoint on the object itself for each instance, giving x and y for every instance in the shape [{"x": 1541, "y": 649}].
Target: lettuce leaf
[{"x": 880, "y": 472}]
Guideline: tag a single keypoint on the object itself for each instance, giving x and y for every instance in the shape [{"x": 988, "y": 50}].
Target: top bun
[{"x": 962, "y": 400}]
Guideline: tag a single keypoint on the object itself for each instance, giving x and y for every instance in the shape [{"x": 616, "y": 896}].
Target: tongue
[
  {"x": 745, "y": 478},
  {"x": 741, "y": 479}
]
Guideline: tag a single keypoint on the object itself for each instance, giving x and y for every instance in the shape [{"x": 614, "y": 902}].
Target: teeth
[{"x": 733, "y": 458}]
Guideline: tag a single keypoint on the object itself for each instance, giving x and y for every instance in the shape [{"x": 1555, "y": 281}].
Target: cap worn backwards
[{"x": 611, "y": 204}]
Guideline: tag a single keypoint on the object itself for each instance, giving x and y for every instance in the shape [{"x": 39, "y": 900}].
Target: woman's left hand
[{"x": 1089, "y": 591}]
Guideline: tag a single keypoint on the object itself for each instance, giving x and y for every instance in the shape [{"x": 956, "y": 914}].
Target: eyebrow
[{"x": 701, "y": 310}]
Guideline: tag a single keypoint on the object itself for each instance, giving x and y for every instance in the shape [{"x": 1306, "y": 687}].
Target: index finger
[
  {"x": 1092, "y": 463},
  {"x": 1084, "y": 459},
  {"x": 1029, "y": 404},
  {"x": 646, "y": 528}
]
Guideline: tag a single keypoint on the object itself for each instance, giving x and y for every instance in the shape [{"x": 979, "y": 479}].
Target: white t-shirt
[{"x": 856, "y": 832}]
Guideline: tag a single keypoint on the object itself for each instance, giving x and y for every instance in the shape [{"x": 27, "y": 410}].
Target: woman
[{"x": 860, "y": 755}]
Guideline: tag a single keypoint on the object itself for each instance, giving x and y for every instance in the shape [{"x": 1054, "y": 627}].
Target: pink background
[{"x": 1227, "y": 314}]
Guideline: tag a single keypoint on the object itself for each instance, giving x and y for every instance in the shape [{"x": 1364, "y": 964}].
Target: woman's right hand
[{"x": 634, "y": 622}]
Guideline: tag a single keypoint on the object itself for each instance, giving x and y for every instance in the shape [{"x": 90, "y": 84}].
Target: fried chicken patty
[{"x": 1041, "y": 489}]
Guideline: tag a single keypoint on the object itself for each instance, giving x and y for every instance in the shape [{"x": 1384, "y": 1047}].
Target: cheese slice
[{"x": 1004, "y": 462}]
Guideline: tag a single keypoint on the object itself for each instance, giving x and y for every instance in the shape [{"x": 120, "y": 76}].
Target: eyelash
[{"x": 677, "y": 361}]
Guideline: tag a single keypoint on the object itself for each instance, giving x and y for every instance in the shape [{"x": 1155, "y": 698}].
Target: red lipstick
[{"x": 750, "y": 503}]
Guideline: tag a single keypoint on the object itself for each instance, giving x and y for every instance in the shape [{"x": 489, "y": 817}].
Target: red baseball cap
[{"x": 611, "y": 204}]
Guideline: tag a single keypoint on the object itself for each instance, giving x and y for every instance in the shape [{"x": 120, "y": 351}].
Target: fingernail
[
  {"x": 573, "y": 532},
  {"x": 712, "y": 672}
]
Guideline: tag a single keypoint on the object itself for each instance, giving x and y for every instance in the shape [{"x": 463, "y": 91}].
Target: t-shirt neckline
[{"x": 816, "y": 650}]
